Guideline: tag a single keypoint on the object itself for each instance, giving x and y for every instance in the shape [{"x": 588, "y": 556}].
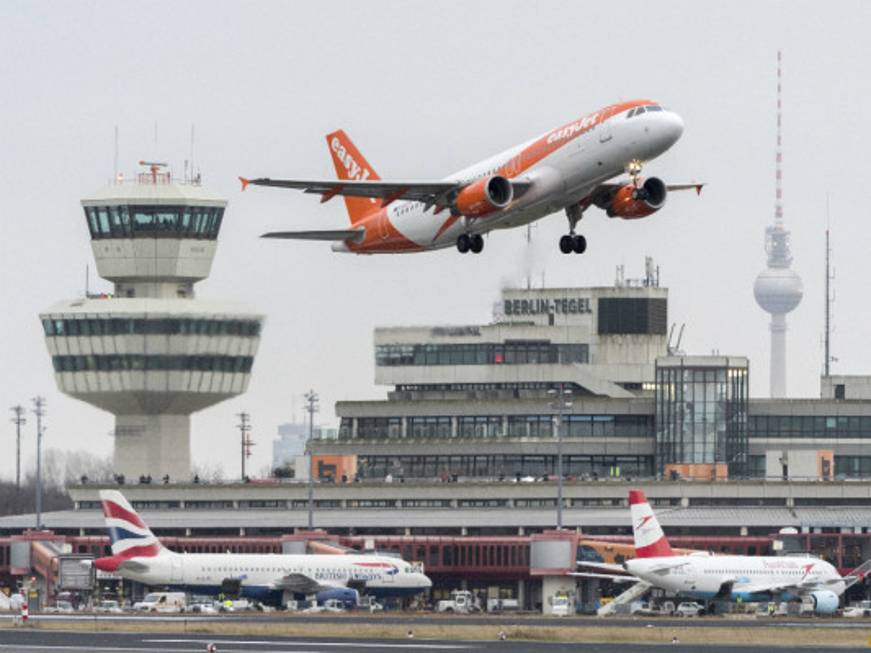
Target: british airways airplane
[
  {"x": 273, "y": 579},
  {"x": 569, "y": 168}
]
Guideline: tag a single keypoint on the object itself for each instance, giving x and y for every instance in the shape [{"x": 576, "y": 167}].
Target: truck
[
  {"x": 461, "y": 601},
  {"x": 162, "y": 602}
]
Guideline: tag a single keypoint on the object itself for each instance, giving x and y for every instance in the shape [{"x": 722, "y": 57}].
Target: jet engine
[
  {"x": 345, "y": 595},
  {"x": 631, "y": 202},
  {"x": 484, "y": 196},
  {"x": 825, "y": 601}
]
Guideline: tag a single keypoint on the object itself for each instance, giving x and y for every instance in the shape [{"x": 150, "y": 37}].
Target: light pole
[
  {"x": 560, "y": 405},
  {"x": 19, "y": 421},
  {"x": 311, "y": 398},
  {"x": 244, "y": 427},
  {"x": 39, "y": 411}
]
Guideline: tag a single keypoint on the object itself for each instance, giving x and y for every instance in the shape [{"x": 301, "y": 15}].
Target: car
[
  {"x": 202, "y": 608},
  {"x": 689, "y": 609},
  {"x": 856, "y": 611},
  {"x": 108, "y": 607}
]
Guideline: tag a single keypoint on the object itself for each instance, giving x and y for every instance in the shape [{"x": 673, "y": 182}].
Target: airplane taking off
[
  {"x": 568, "y": 168},
  {"x": 273, "y": 579},
  {"x": 727, "y": 577}
]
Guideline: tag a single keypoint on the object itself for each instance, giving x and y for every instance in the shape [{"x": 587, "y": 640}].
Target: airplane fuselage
[
  {"x": 563, "y": 165},
  {"x": 257, "y": 573},
  {"x": 704, "y": 576}
]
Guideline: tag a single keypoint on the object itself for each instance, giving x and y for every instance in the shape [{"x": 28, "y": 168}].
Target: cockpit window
[{"x": 653, "y": 107}]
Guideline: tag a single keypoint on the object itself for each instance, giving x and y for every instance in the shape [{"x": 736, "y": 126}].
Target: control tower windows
[
  {"x": 199, "y": 222},
  {"x": 159, "y": 326}
]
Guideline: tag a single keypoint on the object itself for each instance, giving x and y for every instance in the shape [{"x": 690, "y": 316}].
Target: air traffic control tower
[{"x": 151, "y": 353}]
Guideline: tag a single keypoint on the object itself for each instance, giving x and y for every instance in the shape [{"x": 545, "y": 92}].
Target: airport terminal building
[
  {"x": 456, "y": 467},
  {"x": 589, "y": 371}
]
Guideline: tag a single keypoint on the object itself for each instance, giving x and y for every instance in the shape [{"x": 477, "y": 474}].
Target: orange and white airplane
[{"x": 568, "y": 168}]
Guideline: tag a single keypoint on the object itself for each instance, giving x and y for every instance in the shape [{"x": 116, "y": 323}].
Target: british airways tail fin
[
  {"x": 129, "y": 535},
  {"x": 350, "y": 164},
  {"x": 650, "y": 541}
]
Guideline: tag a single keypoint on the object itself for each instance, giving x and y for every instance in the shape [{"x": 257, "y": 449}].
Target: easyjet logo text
[
  {"x": 567, "y": 132},
  {"x": 355, "y": 171}
]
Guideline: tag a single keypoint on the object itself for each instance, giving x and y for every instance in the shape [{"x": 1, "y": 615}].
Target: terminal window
[{"x": 632, "y": 316}]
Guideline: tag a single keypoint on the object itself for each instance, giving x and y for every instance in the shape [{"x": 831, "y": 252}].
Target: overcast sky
[{"x": 425, "y": 88}]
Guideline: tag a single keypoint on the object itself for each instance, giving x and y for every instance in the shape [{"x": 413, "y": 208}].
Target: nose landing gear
[
  {"x": 470, "y": 243},
  {"x": 572, "y": 242}
]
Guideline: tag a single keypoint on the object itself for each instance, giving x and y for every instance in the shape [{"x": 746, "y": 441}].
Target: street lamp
[
  {"x": 560, "y": 404},
  {"x": 312, "y": 399}
]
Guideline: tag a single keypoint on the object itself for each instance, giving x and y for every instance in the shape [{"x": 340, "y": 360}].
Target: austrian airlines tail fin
[
  {"x": 351, "y": 165},
  {"x": 650, "y": 541},
  {"x": 129, "y": 535}
]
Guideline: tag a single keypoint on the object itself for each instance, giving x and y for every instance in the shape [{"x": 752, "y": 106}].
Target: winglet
[
  {"x": 699, "y": 188},
  {"x": 244, "y": 183}
]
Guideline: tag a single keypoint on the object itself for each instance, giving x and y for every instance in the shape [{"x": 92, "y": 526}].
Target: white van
[{"x": 162, "y": 602}]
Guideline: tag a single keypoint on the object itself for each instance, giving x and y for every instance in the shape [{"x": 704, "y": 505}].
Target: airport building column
[{"x": 521, "y": 593}]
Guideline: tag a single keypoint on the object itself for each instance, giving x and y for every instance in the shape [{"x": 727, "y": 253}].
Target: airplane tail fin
[
  {"x": 650, "y": 541},
  {"x": 129, "y": 535},
  {"x": 351, "y": 165}
]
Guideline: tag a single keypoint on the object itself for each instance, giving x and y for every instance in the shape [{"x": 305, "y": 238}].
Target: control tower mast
[
  {"x": 151, "y": 353},
  {"x": 778, "y": 289}
]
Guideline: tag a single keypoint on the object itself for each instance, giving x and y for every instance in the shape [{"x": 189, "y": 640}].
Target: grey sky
[{"x": 425, "y": 88}]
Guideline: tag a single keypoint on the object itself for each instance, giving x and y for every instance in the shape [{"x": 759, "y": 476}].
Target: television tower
[{"x": 778, "y": 289}]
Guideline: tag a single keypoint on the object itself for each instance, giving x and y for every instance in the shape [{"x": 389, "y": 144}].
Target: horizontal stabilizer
[
  {"x": 133, "y": 566},
  {"x": 355, "y": 235}
]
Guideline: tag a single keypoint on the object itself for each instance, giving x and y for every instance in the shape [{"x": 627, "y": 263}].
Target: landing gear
[
  {"x": 470, "y": 243},
  {"x": 572, "y": 242},
  {"x": 569, "y": 244}
]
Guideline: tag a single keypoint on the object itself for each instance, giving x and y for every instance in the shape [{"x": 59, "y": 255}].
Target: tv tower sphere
[{"x": 778, "y": 290}]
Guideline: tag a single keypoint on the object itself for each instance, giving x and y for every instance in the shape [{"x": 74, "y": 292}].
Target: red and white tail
[
  {"x": 351, "y": 165},
  {"x": 650, "y": 541}
]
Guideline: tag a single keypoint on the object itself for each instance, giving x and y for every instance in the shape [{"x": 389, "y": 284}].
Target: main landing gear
[
  {"x": 572, "y": 242},
  {"x": 470, "y": 243}
]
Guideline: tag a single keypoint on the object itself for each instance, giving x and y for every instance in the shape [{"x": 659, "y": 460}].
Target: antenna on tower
[
  {"x": 192, "y": 151},
  {"x": 830, "y": 276},
  {"x": 778, "y": 173},
  {"x": 115, "y": 158}
]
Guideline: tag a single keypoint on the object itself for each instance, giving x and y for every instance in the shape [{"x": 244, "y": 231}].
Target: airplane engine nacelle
[
  {"x": 345, "y": 595},
  {"x": 825, "y": 602},
  {"x": 484, "y": 196},
  {"x": 631, "y": 203}
]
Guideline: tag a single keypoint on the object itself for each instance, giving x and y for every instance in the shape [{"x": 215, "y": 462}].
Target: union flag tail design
[
  {"x": 351, "y": 165},
  {"x": 650, "y": 541},
  {"x": 130, "y": 537}
]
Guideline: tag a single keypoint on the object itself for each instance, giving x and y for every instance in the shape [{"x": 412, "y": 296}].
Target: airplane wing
[
  {"x": 612, "y": 577},
  {"x": 355, "y": 235},
  {"x": 606, "y": 566},
  {"x": 431, "y": 193},
  {"x": 300, "y": 583}
]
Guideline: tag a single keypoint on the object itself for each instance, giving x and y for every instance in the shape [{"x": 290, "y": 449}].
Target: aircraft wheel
[
  {"x": 566, "y": 244},
  {"x": 464, "y": 243},
  {"x": 477, "y": 243},
  {"x": 579, "y": 244}
]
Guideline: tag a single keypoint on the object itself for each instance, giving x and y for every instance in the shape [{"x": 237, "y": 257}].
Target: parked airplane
[
  {"x": 568, "y": 168},
  {"x": 270, "y": 578},
  {"x": 729, "y": 577}
]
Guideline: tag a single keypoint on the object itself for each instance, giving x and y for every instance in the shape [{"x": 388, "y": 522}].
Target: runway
[
  {"x": 454, "y": 620},
  {"x": 34, "y": 641}
]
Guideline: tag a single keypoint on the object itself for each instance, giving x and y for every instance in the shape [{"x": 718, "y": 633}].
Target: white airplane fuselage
[
  {"x": 703, "y": 576},
  {"x": 205, "y": 572}
]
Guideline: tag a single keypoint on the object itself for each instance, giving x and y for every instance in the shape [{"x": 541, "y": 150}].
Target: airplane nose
[{"x": 675, "y": 126}]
